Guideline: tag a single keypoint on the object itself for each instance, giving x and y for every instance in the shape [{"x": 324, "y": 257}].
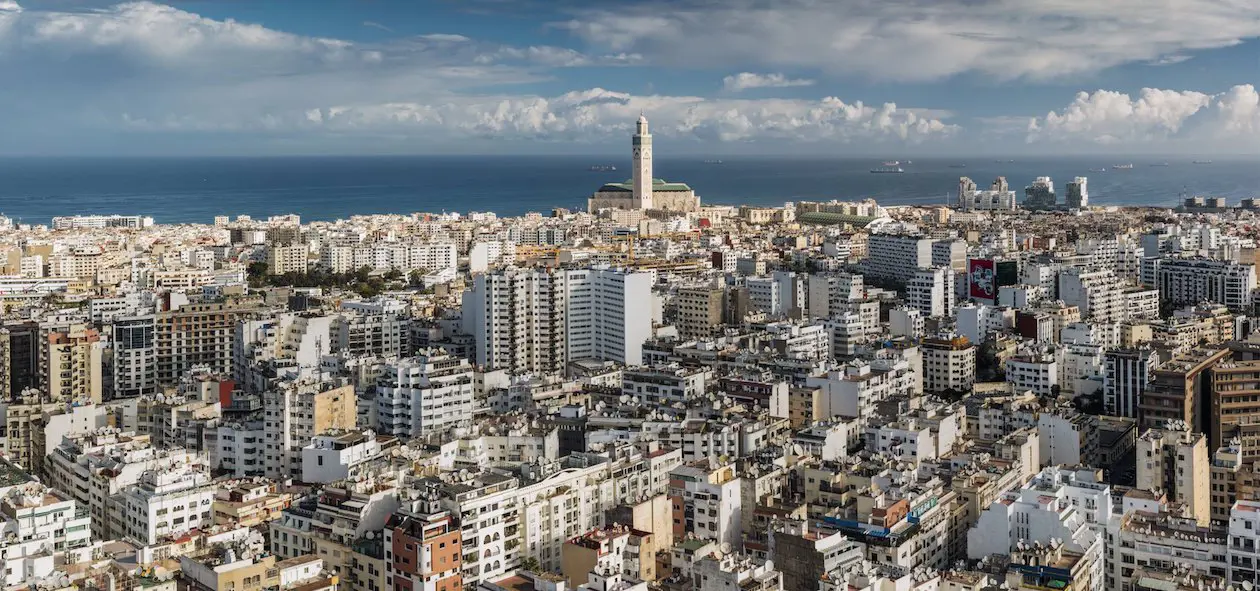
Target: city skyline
[{"x": 796, "y": 77}]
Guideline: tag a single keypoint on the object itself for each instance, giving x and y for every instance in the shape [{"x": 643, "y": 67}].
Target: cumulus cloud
[
  {"x": 599, "y": 114},
  {"x": 1110, "y": 117},
  {"x": 917, "y": 39},
  {"x": 748, "y": 80}
]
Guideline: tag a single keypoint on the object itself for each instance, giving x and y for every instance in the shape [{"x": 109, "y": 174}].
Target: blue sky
[{"x": 569, "y": 76}]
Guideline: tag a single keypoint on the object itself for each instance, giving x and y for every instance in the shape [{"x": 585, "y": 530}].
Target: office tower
[
  {"x": 1040, "y": 196},
  {"x": 1126, "y": 374},
  {"x": 1078, "y": 193},
  {"x": 135, "y": 356}
]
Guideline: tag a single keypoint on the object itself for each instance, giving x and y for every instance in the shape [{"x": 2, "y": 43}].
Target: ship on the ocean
[
  {"x": 712, "y": 161},
  {"x": 1122, "y": 167},
  {"x": 886, "y": 169},
  {"x": 1202, "y": 161},
  {"x": 1098, "y": 170},
  {"x": 958, "y": 166},
  {"x": 603, "y": 168},
  {"x": 1160, "y": 164}
]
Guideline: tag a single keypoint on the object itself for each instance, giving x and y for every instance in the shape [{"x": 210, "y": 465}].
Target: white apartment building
[
  {"x": 666, "y": 385},
  {"x": 827, "y": 293},
  {"x": 424, "y": 395},
  {"x": 526, "y": 320},
  {"x": 931, "y": 291},
  {"x": 978, "y": 321},
  {"x": 333, "y": 457},
  {"x": 897, "y": 256},
  {"x": 293, "y": 413},
  {"x": 1177, "y": 462},
  {"x": 384, "y": 335},
  {"x": 948, "y": 364},
  {"x": 1190, "y": 281},
  {"x": 1052, "y": 509},
  {"x": 134, "y": 356},
  {"x": 94, "y": 468},
  {"x": 707, "y": 503},
  {"x": 999, "y": 196},
  {"x": 1099, "y": 294},
  {"x": 1038, "y": 373},
  {"x": 1080, "y": 367},
  {"x": 906, "y": 322},
  {"x": 101, "y": 221},
  {"x": 164, "y": 503},
  {"x": 854, "y": 390}
]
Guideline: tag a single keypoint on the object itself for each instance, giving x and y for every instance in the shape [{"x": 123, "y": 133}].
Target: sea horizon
[{"x": 187, "y": 189}]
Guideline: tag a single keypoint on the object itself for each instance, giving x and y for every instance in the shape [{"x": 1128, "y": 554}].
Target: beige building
[
  {"x": 699, "y": 311},
  {"x": 287, "y": 258},
  {"x": 70, "y": 359},
  {"x": 1178, "y": 463}
]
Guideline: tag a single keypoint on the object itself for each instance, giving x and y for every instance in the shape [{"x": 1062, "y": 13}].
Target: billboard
[
  {"x": 1007, "y": 273},
  {"x": 982, "y": 279}
]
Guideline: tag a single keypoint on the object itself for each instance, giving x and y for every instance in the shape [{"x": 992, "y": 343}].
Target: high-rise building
[
  {"x": 948, "y": 364},
  {"x": 539, "y": 320},
  {"x": 1178, "y": 391},
  {"x": 296, "y": 412},
  {"x": 1176, "y": 461},
  {"x": 1236, "y": 407},
  {"x": 134, "y": 356},
  {"x": 1078, "y": 193},
  {"x": 200, "y": 334},
  {"x": 999, "y": 197},
  {"x": 425, "y": 395},
  {"x": 897, "y": 256},
  {"x": 1099, "y": 294},
  {"x": 931, "y": 291},
  {"x": 698, "y": 311},
  {"x": 1039, "y": 196},
  {"x": 70, "y": 359},
  {"x": 1126, "y": 374},
  {"x": 1190, "y": 281}
]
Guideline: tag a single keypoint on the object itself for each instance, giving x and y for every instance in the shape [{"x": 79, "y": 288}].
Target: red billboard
[{"x": 982, "y": 279}]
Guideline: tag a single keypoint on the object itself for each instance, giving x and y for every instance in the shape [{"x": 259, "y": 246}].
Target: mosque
[{"x": 643, "y": 191}]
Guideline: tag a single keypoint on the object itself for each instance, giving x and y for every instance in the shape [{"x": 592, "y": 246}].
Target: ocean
[{"x": 182, "y": 190}]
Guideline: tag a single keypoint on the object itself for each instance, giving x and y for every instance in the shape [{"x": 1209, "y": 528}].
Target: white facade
[
  {"x": 1098, "y": 294},
  {"x": 1192, "y": 281},
  {"x": 424, "y": 395},
  {"x": 931, "y": 291},
  {"x": 164, "y": 503},
  {"x": 897, "y": 256},
  {"x": 539, "y": 321}
]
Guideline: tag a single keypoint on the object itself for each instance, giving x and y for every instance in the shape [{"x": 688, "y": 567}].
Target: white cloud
[
  {"x": 597, "y": 113},
  {"x": 1110, "y": 117},
  {"x": 749, "y": 80},
  {"x": 918, "y": 39}
]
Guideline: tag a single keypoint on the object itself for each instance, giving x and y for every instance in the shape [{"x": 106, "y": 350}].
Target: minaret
[{"x": 642, "y": 142}]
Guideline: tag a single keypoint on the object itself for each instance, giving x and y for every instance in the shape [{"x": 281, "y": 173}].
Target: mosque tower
[{"x": 642, "y": 179}]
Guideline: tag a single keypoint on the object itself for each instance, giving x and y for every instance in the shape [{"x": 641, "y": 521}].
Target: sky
[{"x": 760, "y": 77}]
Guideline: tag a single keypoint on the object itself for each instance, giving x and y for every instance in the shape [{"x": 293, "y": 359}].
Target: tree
[
  {"x": 393, "y": 275},
  {"x": 531, "y": 564}
]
